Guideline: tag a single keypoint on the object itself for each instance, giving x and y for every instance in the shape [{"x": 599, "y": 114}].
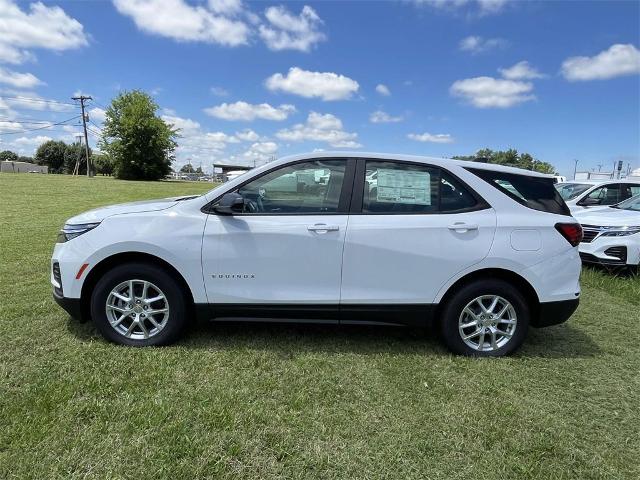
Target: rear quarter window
[{"x": 537, "y": 193}]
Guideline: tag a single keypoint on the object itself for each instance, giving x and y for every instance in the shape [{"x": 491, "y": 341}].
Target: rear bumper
[
  {"x": 71, "y": 305},
  {"x": 553, "y": 313}
]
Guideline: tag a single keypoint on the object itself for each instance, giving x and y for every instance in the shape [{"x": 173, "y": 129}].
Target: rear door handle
[
  {"x": 323, "y": 228},
  {"x": 462, "y": 227}
]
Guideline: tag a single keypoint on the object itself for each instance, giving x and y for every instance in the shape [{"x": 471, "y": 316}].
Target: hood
[
  {"x": 99, "y": 214},
  {"x": 608, "y": 217}
]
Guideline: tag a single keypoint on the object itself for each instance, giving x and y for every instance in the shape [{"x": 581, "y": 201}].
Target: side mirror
[
  {"x": 229, "y": 204},
  {"x": 589, "y": 202}
]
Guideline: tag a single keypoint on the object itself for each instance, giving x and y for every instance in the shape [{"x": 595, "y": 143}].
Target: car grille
[
  {"x": 619, "y": 252},
  {"x": 56, "y": 275},
  {"x": 589, "y": 232}
]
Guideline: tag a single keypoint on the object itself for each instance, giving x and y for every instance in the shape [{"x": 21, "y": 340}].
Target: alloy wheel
[
  {"x": 487, "y": 323},
  {"x": 137, "y": 309}
]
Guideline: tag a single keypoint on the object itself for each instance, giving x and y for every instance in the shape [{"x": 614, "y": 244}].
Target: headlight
[
  {"x": 70, "y": 232},
  {"x": 620, "y": 231}
]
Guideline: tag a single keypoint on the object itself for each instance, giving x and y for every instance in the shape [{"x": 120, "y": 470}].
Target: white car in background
[
  {"x": 581, "y": 194},
  {"x": 612, "y": 234}
]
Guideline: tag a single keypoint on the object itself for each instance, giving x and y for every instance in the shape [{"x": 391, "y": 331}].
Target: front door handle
[
  {"x": 323, "y": 228},
  {"x": 462, "y": 227}
]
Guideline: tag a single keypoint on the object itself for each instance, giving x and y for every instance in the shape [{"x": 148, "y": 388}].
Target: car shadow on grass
[{"x": 562, "y": 341}]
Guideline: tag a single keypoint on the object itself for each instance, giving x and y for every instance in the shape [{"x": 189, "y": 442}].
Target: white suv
[
  {"x": 483, "y": 250},
  {"x": 581, "y": 195},
  {"x": 612, "y": 234}
]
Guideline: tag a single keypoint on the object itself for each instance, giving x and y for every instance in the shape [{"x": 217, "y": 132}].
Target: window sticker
[{"x": 409, "y": 187}]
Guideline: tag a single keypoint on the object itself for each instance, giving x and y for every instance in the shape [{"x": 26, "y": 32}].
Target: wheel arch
[
  {"x": 117, "y": 259},
  {"x": 508, "y": 276}
]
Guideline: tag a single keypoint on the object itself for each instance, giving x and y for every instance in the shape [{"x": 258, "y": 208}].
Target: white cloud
[
  {"x": 618, "y": 60},
  {"x": 247, "y": 135},
  {"x": 482, "y": 7},
  {"x": 488, "y": 92},
  {"x": 428, "y": 137},
  {"x": 263, "y": 149},
  {"x": 243, "y": 111},
  {"x": 195, "y": 144},
  {"x": 491, "y": 6},
  {"x": 214, "y": 23},
  {"x": 18, "y": 80},
  {"x": 226, "y": 7},
  {"x": 478, "y": 44},
  {"x": 9, "y": 54},
  {"x": 382, "y": 117},
  {"x": 32, "y": 141},
  {"x": 290, "y": 32},
  {"x": 97, "y": 115},
  {"x": 325, "y": 85},
  {"x": 521, "y": 71},
  {"x": 321, "y": 128},
  {"x": 383, "y": 90},
  {"x": 219, "y": 91},
  {"x": 41, "y": 27}
]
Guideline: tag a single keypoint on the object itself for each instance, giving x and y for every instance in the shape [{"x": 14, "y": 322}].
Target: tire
[
  {"x": 462, "y": 308},
  {"x": 163, "y": 319}
]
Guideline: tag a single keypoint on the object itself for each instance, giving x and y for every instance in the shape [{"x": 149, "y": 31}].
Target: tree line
[
  {"x": 61, "y": 157},
  {"x": 510, "y": 158}
]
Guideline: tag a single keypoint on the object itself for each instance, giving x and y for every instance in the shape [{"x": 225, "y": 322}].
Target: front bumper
[
  {"x": 71, "y": 305},
  {"x": 614, "y": 251},
  {"x": 554, "y": 313}
]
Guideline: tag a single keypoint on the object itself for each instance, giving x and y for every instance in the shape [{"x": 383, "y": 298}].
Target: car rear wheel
[
  {"x": 138, "y": 304},
  {"x": 488, "y": 318}
]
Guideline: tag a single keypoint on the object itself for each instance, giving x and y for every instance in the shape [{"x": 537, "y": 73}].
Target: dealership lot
[{"x": 271, "y": 401}]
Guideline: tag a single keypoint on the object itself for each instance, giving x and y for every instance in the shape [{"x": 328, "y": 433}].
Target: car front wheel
[
  {"x": 138, "y": 304},
  {"x": 487, "y": 318}
]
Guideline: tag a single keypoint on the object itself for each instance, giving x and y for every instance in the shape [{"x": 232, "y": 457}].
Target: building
[{"x": 8, "y": 166}]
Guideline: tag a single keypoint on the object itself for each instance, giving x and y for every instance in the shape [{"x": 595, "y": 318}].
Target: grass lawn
[{"x": 297, "y": 401}]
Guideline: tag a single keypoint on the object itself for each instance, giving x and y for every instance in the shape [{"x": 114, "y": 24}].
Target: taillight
[{"x": 571, "y": 231}]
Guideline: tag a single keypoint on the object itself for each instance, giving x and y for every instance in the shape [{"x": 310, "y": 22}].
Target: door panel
[
  {"x": 414, "y": 227},
  {"x": 285, "y": 247},
  {"x": 407, "y": 258},
  {"x": 273, "y": 259}
]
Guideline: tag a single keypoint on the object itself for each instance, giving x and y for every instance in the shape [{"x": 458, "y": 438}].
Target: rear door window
[{"x": 537, "y": 193}]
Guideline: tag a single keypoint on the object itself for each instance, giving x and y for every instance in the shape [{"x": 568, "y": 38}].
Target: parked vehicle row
[
  {"x": 482, "y": 250},
  {"x": 609, "y": 212}
]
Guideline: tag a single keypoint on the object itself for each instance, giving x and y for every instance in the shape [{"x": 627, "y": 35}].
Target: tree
[
  {"x": 139, "y": 142},
  {"x": 510, "y": 158},
  {"x": 8, "y": 156},
  {"x": 103, "y": 164},
  {"x": 187, "y": 168},
  {"x": 73, "y": 153},
  {"x": 51, "y": 154},
  {"x": 25, "y": 159}
]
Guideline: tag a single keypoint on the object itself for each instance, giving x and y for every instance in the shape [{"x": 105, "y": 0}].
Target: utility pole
[
  {"x": 82, "y": 99},
  {"x": 575, "y": 168},
  {"x": 76, "y": 169}
]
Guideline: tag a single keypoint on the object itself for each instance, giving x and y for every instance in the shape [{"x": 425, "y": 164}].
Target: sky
[{"x": 249, "y": 81}]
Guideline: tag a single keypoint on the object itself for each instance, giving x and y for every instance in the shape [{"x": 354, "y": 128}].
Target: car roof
[{"x": 413, "y": 158}]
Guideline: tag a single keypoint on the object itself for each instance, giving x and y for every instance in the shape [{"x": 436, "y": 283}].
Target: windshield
[
  {"x": 569, "y": 191},
  {"x": 632, "y": 203}
]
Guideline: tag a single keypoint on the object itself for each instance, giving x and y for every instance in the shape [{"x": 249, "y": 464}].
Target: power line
[
  {"x": 98, "y": 103},
  {"x": 32, "y": 122},
  {"x": 37, "y": 100},
  {"x": 40, "y": 128}
]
